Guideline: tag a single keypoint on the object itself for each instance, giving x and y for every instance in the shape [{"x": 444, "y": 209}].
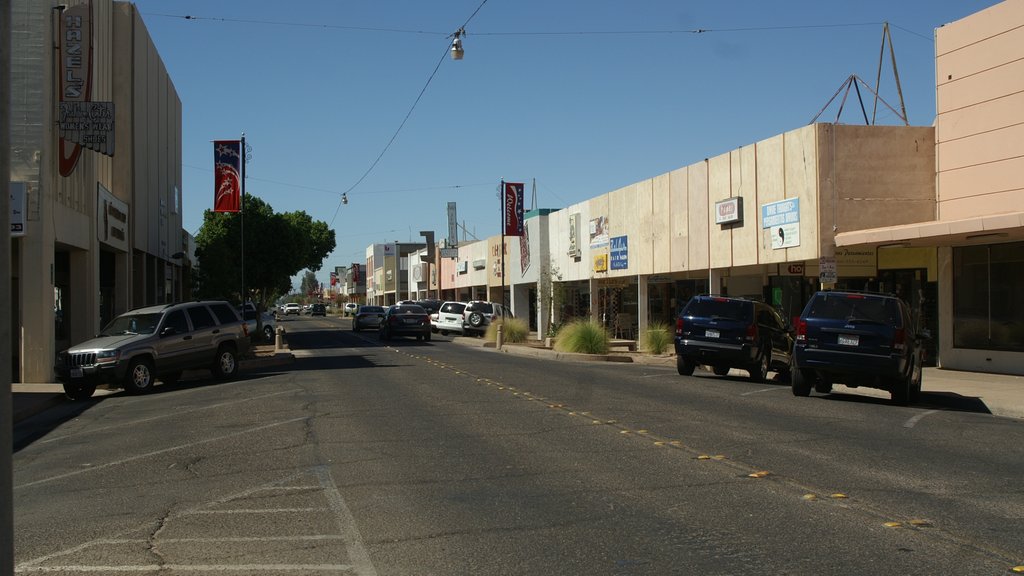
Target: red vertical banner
[
  {"x": 227, "y": 169},
  {"x": 512, "y": 208}
]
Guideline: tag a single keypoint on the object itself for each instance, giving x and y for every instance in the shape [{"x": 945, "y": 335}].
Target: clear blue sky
[{"x": 583, "y": 96}]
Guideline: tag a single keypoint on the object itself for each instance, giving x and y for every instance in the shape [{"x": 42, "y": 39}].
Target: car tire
[
  {"x": 226, "y": 364},
  {"x": 476, "y": 319},
  {"x": 79, "y": 392},
  {"x": 685, "y": 367},
  {"x": 139, "y": 377},
  {"x": 720, "y": 370},
  {"x": 759, "y": 371},
  {"x": 900, "y": 392},
  {"x": 801, "y": 382},
  {"x": 444, "y": 332},
  {"x": 268, "y": 333},
  {"x": 915, "y": 386}
]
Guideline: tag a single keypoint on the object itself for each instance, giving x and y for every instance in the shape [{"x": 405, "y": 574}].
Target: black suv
[
  {"x": 156, "y": 342},
  {"x": 726, "y": 333},
  {"x": 858, "y": 339}
]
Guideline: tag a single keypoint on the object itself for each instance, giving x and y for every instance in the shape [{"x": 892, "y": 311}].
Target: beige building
[
  {"x": 100, "y": 232},
  {"x": 977, "y": 227}
]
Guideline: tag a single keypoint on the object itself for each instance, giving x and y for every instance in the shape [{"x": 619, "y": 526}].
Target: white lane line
[
  {"x": 194, "y": 568},
  {"x": 255, "y": 511},
  {"x": 172, "y": 415},
  {"x": 913, "y": 421},
  {"x": 156, "y": 453},
  {"x": 357, "y": 553},
  {"x": 758, "y": 391}
]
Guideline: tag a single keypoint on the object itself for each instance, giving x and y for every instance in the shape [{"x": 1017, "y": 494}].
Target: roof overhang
[{"x": 979, "y": 230}]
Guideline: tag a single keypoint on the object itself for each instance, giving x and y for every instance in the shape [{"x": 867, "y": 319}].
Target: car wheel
[
  {"x": 476, "y": 319},
  {"x": 226, "y": 365},
  {"x": 915, "y": 386},
  {"x": 759, "y": 372},
  {"x": 444, "y": 332},
  {"x": 684, "y": 367},
  {"x": 720, "y": 370},
  {"x": 901, "y": 388},
  {"x": 79, "y": 392},
  {"x": 171, "y": 377},
  {"x": 268, "y": 333},
  {"x": 801, "y": 381},
  {"x": 139, "y": 378}
]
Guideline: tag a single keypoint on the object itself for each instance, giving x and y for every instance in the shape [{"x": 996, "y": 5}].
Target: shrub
[
  {"x": 582, "y": 336},
  {"x": 514, "y": 330},
  {"x": 657, "y": 339}
]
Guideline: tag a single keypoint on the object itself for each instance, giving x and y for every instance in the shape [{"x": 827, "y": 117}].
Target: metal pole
[
  {"x": 241, "y": 217},
  {"x": 6, "y": 398},
  {"x": 501, "y": 202}
]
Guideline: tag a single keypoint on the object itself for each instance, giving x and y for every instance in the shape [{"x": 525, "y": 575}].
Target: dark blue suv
[
  {"x": 858, "y": 339},
  {"x": 726, "y": 333}
]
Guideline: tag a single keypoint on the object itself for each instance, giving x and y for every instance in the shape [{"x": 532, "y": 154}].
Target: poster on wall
[
  {"x": 781, "y": 223},
  {"x": 598, "y": 232},
  {"x": 620, "y": 253}
]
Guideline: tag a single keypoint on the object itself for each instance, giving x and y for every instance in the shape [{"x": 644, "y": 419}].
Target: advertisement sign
[
  {"x": 601, "y": 263},
  {"x": 599, "y": 232},
  {"x": 729, "y": 211},
  {"x": 111, "y": 219},
  {"x": 75, "y": 73},
  {"x": 827, "y": 273},
  {"x": 18, "y": 191},
  {"x": 781, "y": 221},
  {"x": 512, "y": 208},
  {"x": 620, "y": 253},
  {"x": 453, "y": 227}
]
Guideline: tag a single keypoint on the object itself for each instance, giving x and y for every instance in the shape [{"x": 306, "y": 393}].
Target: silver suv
[
  {"x": 156, "y": 342},
  {"x": 479, "y": 314}
]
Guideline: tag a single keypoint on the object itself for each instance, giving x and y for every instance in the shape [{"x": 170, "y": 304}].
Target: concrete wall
[{"x": 980, "y": 107}]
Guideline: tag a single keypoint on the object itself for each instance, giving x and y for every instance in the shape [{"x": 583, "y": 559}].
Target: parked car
[
  {"x": 318, "y": 310},
  {"x": 727, "y": 333},
  {"x": 449, "y": 318},
  {"x": 431, "y": 306},
  {"x": 479, "y": 314},
  {"x": 858, "y": 339},
  {"x": 350, "y": 308},
  {"x": 405, "y": 320},
  {"x": 155, "y": 343},
  {"x": 367, "y": 317},
  {"x": 291, "y": 308},
  {"x": 267, "y": 326}
]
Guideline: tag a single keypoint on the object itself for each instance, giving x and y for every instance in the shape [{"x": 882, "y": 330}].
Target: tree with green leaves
[
  {"x": 277, "y": 246},
  {"x": 309, "y": 283}
]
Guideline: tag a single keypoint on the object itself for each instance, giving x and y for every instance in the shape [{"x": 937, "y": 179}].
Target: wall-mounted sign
[
  {"x": 781, "y": 221},
  {"x": 19, "y": 191},
  {"x": 75, "y": 73},
  {"x": 453, "y": 227},
  {"x": 620, "y": 253},
  {"x": 574, "y": 235},
  {"x": 827, "y": 273},
  {"x": 449, "y": 253},
  {"x": 729, "y": 211},
  {"x": 89, "y": 124},
  {"x": 601, "y": 263},
  {"x": 111, "y": 219},
  {"x": 598, "y": 232}
]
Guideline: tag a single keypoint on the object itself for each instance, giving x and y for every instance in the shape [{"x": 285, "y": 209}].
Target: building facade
[{"x": 101, "y": 230}]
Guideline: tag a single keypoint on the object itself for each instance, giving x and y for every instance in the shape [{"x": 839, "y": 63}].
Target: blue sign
[{"x": 620, "y": 253}]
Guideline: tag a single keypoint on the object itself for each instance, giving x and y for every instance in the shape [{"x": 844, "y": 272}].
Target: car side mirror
[{"x": 168, "y": 331}]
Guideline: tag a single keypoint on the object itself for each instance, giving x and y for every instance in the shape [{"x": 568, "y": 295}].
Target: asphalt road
[{"x": 438, "y": 458}]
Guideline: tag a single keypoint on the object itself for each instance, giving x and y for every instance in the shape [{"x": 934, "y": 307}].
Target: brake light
[
  {"x": 245, "y": 329},
  {"x": 679, "y": 326},
  {"x": 899, "y": 339},
  {"x": 801, "y": 330},
  {"x": 752, "y": 332}
]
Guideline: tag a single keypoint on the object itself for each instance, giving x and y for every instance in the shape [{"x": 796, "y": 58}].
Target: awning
[{"x": 979, "y": 230}]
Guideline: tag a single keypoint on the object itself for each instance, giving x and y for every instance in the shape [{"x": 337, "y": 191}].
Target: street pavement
[{"x": 997, "y": 394}]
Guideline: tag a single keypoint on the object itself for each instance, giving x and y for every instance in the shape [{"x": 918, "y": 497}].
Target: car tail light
[
  {"x": 801, "y": 330},
  {"x": 899, "y": 339},
  {"x": 679, "y": 326},
  {"x": 752, "y": 332},
  {"x": 245, "y": 329}
]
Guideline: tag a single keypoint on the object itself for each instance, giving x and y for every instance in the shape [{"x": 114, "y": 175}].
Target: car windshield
[
  {"x": 740, "y": 310},
  {"x": 132, "y": 324},
  {"x": 855, "y": 308}
]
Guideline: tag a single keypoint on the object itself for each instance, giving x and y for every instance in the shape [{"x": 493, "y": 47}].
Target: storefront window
[{"x": 987, "y": 310}]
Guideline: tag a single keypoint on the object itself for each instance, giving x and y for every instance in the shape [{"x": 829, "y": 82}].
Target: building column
[{"x": 642, "y": 305}]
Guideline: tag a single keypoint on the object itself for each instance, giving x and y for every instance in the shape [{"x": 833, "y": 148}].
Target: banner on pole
[
  {"x": 227, "y": 161},
  {"x": 512, "y": 207}
]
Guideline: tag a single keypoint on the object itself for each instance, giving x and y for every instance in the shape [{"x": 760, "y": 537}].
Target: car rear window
[
  {"x": 453, "y": 308},
  {"x": 720, "y": 308},
  {"x": 408, "y": 309},
  {"x": 371, "y": 310},
  {"x": 224, "y": 313},
  {"x": 484, "y": 307},
  {"x": 854, "y": 307}
]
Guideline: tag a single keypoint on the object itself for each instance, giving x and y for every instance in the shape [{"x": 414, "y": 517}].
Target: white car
[
  {"x": 351, "y": 308},
  {"x": 449, "y": 318},
  {"x": 291, "y": 308}
]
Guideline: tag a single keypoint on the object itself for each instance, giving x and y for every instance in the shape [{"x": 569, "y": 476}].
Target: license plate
[
  {"x": 712, "y": 334},
  {"x": 77, "y": 373},
  {"x": 849, "y": 340},
  {"x": 411, "y": 321}
]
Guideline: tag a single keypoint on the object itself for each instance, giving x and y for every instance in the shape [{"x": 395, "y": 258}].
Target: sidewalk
[{"x": 998, "y": 394}]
